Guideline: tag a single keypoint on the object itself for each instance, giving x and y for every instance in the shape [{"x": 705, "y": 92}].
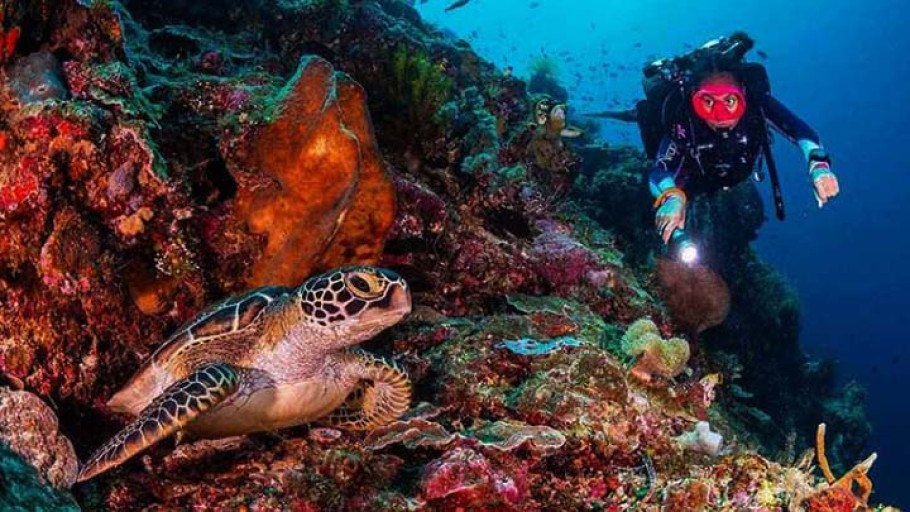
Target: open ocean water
[{"x": 843, "y": 66}]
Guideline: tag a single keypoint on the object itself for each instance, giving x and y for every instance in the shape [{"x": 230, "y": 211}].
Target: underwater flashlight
[
  {"x": 688, "y": 253},
  {"x": 685, "y": 248}
]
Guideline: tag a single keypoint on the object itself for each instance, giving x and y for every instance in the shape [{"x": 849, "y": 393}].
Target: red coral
[
  {"x": 20, "y": 186},
  {"x": 466, "y": 478},
  {"x": 834, "y": 499},
  {"x": 8, "y": 42},
  {"x": 77, "y": 78}
]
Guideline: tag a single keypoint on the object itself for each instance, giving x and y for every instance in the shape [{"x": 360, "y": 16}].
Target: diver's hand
[
  {"x": 824, "y": 182},
  {"x": 671, "y": 213}
]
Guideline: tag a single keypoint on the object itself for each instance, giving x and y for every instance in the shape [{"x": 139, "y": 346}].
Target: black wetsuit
[{"x": 698, "y": 159}]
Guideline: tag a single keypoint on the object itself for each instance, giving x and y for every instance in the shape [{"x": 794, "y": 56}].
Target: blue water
[{"x": 840, "y": 64}]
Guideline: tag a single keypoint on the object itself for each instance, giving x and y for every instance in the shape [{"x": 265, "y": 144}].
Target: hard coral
[
  {"x": 28, "y": 427},
  {"x": 575, "y": 390},
  {"x": 657, "y": 357}
]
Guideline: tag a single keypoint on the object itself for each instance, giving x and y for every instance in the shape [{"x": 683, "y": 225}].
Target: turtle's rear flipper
[
  {"x": 383, "y": 395},
  {"x": 178, "y": 405}
]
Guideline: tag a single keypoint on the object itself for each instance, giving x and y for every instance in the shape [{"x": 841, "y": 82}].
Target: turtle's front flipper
[
  {"x": 178, "y": 405},
  {"x": 383, "y": 395}
]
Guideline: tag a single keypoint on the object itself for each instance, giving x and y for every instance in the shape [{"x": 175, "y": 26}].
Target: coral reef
[
  {"x": 776, "y": 391},
  {"x": 28, "y": 427},
  {"x": 195, "y": 151},
  {"x": 657, "y": 357}
]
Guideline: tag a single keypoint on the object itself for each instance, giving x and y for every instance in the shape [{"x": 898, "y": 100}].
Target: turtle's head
[{"x": 353, "y": 304}]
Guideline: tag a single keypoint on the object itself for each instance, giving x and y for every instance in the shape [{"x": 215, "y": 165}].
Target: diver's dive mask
[{"x": 718, "y": 104}]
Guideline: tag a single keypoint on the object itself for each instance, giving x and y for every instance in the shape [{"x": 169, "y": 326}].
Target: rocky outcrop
[{"x": 29, "y": 428}]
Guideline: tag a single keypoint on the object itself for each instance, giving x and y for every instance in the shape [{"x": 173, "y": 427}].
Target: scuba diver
[{"x": 705, "y": 123}]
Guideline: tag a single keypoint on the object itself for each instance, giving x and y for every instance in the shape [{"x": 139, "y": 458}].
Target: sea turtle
[{"x": 270, "y": 358}]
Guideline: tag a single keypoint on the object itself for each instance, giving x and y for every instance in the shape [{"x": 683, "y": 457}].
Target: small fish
[
  {"x": 762, "y": 55},
  {"x": 457, "y": 4},
  {"x": 637, "y": 45},
  {"x": 534, "y": 5}
]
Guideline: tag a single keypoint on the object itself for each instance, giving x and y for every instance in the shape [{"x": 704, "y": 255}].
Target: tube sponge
[{"x": 657, "y": 357}]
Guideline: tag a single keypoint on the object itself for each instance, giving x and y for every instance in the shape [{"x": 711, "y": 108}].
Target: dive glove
[
  {"x": 671, "y": 212},
  {"x": 824, "y": 182}
]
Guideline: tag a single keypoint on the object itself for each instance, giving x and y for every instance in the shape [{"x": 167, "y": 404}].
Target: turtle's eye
[{"x": 364, "y": 285}]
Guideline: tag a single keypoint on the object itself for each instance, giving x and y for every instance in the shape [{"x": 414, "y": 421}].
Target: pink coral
[
  {"x": 20, "y": 186},
  {"x": 565, "y": 263},
  {"x": 462, "y": 472},
  {"x": 465, "y": 478},
  {"x": 421, "y": 211}
]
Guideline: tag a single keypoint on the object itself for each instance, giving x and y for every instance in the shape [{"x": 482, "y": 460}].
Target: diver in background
[
  {"x": 705, "y": 123},
  {"x": 720, "y": 145}
]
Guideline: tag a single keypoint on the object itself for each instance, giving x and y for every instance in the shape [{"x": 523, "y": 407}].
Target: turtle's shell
[{"x": 226, "y": 331}]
